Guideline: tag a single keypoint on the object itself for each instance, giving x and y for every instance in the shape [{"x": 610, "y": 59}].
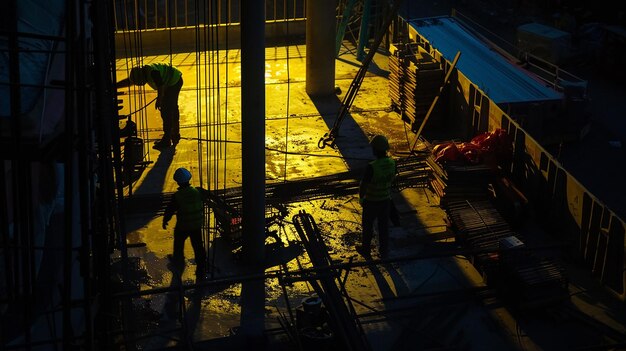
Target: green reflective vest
[
  {"x": 379, "y": 187},
  {"x": 190, "y": 214},
  {"x": 169, "y": 74}
]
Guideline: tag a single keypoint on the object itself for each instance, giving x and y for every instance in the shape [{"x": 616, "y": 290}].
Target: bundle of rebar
[
  {"x": 526, "y": 279},
  {"x": 533, "y": 281},
  {"x": 413, "y": 171},
  {"x": 457, "y": 181},
  {"x": 478, "y": 225}
]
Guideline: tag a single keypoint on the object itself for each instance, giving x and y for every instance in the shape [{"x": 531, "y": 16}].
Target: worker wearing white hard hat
[{"x": 187, "y": 204}]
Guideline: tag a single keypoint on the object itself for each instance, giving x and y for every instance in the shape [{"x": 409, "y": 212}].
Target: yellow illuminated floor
[{"x": 394, "y": 299}]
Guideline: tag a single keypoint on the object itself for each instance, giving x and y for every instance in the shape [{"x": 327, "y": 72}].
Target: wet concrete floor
[{"x": 407, "y": 305}]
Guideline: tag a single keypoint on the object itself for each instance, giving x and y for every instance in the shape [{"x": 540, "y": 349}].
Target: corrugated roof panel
[{"x": 502, "y": 81}]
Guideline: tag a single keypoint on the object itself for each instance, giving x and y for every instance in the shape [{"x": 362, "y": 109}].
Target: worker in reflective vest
[
  {"x": 188, "y": 205},
  {"x": 375, "y": 197},
  {"x": 167, "y": 81}
]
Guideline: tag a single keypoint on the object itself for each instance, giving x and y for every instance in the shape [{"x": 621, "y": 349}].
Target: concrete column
[
  {"x": 320, "y": 47},
  {"x": 253, "y": 166}
]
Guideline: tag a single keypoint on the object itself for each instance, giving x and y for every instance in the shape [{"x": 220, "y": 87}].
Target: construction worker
[
  {"x": 188, "y": 205},
  {"x": 167, "y": 81},
  {"x": 375, "y": 197}
]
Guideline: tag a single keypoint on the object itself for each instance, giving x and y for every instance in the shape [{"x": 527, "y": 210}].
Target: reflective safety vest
[
  {"x": 379, "y": 187},
  {"x": 169, "y": 74},
  {"x": 190, "y": 214}
]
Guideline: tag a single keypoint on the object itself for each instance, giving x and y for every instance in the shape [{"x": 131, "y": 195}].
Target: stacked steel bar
[
  {"x": 456, "y": 181},
  {"x": 532, "y": 281},
  {"x": 413, "y": 171},
  {"x": 479, "y": 225},
  {"x": 414, "y": 80},
  {"x": 524, "y": 278}
]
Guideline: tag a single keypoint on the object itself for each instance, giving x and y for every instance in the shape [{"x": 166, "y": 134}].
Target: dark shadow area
[
  {"x": 352, "y": 135},
  {"x": 147, "y": 198},
  {"x": 386, "y": 291},
  {"x": 373, "y": 67},
  {"x": 565, "y": 327},
  {"x": 275, "y": 254},
  {"x": 433, "y": 315},
  {"x": 50, "y": 273}
]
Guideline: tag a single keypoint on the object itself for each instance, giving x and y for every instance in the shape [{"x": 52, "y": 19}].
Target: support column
[
  {"x": 253, "y": 166},
  {"x": 320, "y": 47}
]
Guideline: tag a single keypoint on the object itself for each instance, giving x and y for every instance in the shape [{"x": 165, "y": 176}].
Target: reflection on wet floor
[
  {"x": 421, "y": 297},
  {"x": 292, "y": 126},
  {"x": 215, "y": 309}
]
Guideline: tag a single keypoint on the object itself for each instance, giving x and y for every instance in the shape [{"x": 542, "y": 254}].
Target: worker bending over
[{"x": 167, "y": 81}]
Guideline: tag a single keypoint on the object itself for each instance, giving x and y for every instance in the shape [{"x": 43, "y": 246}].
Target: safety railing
[{"x": 161, "y": 14}]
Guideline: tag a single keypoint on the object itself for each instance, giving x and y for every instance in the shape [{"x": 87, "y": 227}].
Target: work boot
[
  {"x": 176, "y": 265},
  {"x": 161, "y": 144}
]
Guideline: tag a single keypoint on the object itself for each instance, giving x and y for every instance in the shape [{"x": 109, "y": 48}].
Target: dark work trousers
[
  {"x": 376, "y": 211},
  {"x": 170, "y": 114},
  {"x": 196, "y": 242},
  {"x": 394, "y": 216}
]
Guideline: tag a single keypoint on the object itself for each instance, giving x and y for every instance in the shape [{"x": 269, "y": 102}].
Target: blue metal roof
[{"x": 497, "y": 77}]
